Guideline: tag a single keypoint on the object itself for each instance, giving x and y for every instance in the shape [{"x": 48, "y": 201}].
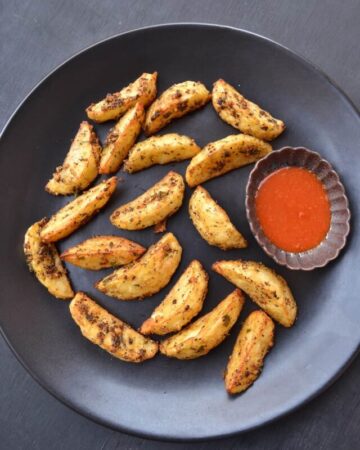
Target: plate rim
[{"x": 88, "y": 414}]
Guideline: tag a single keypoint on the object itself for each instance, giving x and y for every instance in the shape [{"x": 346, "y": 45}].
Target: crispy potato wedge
[
  {"x": 78, "y": 211},
  {"x": 163, "y": 149},
  {"x": 121, "y": 138},
  {"x": 80, "y": 167},
  {"x": 183, "y": 302},
  {"x": 207, "y": 332},
  {"x": 159, "y": 202},
  {"x": 146, "y": 276},
  {"x": 265, "y": 287},
  {"x": 225, "y": 155},
  {"x": 175, "y": 102},
  {"x": 43, "y": 259},
  {"x": 113, "y": 106},
  {"x": 255, "y": 339},
  {"x": 109, "y": 332},
  {"x": 212, "y": 222},
  {"x": 101, "y": 252},
  {"x": 243, "y": 114}
]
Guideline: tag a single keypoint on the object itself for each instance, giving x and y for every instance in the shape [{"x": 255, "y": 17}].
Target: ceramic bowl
[{"x": 339, "y": 229}]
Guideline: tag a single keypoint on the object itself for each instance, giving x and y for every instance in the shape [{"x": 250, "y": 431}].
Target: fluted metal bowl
[{"x": 339, "y": 229}]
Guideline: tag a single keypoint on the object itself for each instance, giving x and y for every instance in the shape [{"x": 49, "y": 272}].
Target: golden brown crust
[
  {"x": 212, "y": 221},
  {"x": 255, "y": 339},
  {"x": 101, "y": 252},
  {"x": 265, "y": 287},
  {"x": 175, "y": 102},
  {"x": 205, "y": 333},
  {"x": 113, "y": 106},
  {"x": 182, "y": 303},
  {"x": 160, "y": 227},
  {"x": 109, "y": 332},
  {"x": 121, "y": 138},
  {"x": 80, "y": 167},
  {"x": 43, "y": 259},
  {"x": 78, "y": 211},
  {"x": 146, "y": 276},
  {"x": 159, "y": 202},
  {"x": 243, "y": 114},
  {"x": 220, "y": 157},
  {"x": 163, "y": 149}
]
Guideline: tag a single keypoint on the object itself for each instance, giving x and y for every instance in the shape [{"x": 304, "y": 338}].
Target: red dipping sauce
[{"x": 293, "y": 209}]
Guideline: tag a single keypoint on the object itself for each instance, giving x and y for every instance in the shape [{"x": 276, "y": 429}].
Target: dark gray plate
[{"x": 166, "y": 398}]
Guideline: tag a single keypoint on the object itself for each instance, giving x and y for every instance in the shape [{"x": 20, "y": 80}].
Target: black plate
[{"x": 166, "y": 398}]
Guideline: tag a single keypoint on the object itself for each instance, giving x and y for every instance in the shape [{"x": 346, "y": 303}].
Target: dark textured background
[{"x": 36, "y": 36}]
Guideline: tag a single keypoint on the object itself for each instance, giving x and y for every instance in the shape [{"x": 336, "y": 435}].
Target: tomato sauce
[{"x": 293, "y": 209}]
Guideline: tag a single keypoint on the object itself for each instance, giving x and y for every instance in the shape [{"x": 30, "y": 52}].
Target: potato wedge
[
  {"x": 43, "y": 259},
  {"x": 101, "y": 252},
  {"x": 78, "y": 211},
  {"x": 243, "y": 114},
  {"x": 175, "y": 102},
  {"x": 80, "y": 167},
  {"x": 109, "y": 332},
  {"x": 207, "y": 332},
  {"x": 121, "y": 138},
  {"x": 146, "y": 276},
  {"x": 159, "y": 202},
  {"x": 183, "y": 302},
  {"x": 113, "y": 106},
  {"x": 225, "y": 155},
  {"x": 212, "y": 222},
  {"x": 163, "y": 149},
  {"x": 255, "y": 339},
  {"x": 265, "y": 287}
]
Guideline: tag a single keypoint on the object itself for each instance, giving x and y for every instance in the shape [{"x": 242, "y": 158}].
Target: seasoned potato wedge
[
  {"x": 43, "y": 259},
  {"x": 183, "y": 302},
  {"x": 265, "y": 287},
  {"x": 78, "y": 211},
  {"x": 207, "y": 332},
  {"x": 159, "y": 202},
  {"x": 225, "y": 155},
  {"x": 212, "y": 222},
  {"x": 101, "y": 252},
  {"x": 80, "y": 167},
  {"x": 243, "y": 114},
  {"x": 146, "y": 276},
  {"x": 113, "y": 106},
  {"x": 175, "y": 102},
  {"x": 160, "y": 150},
  {"x": 255, "y": 339},
  {"x": 110, "y": 333},
  {"x": 121, "y": 138}
]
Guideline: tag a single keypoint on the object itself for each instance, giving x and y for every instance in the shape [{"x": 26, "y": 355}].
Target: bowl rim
[{"x": 264, "y": 242}]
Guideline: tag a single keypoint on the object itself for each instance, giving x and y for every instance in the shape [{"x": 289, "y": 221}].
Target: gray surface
[{"x": 37, "y": 36}]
